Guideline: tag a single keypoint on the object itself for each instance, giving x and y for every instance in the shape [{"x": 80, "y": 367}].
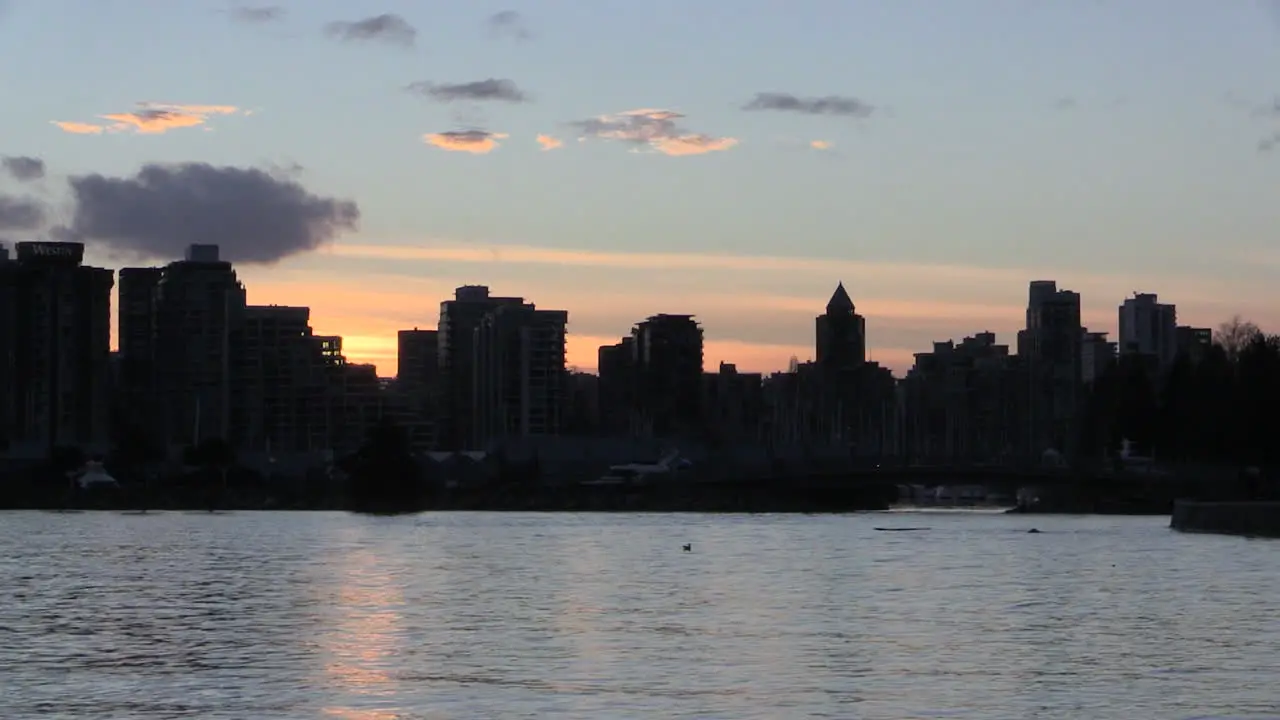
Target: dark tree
[
  {"x": 133, "y": 448},
  {"x": 383, "y": 476},
  {"x": 215, "y": 457}
]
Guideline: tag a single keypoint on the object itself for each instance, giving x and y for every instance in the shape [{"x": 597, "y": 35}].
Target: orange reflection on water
[
  {"x": 354, "y": 714},
  {"x": 365, "y": 634},
  {"x": 581, "y": 615}
]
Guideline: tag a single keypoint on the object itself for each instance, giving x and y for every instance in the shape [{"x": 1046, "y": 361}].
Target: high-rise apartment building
[
  {"x": 418, "y": 381},
  {"x": 136, "y": 336},
  {"x": 1096, "y": 355},
  {"x": 519, "y": 373},
  {"x": 668, "y": 372},
  {"x": 284, "y": 387},
  {"x": 55, "y": 336},
  {"x": 615, "y": 393},
  {"x": 199, "y": 309},
  {"x": 1051, "y": 349},
  {"x": 417, "y": 361},
  {"x": 8, "y": 348},
  {"x": 459, "y": 319},
  {"x": 1148, "y": 327},
  {"x": 1193, "y": 342}
]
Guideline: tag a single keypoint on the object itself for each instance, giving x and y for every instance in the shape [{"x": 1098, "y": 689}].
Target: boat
[
  {"x": 636, "y": 473},
  {"x": 94, "y": 476}
]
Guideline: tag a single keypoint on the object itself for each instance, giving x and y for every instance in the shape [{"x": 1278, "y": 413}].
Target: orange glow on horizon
[{"x": 367, "y": 293}]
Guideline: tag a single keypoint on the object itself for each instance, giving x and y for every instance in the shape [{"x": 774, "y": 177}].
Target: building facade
[
  {"x": 137, "y": 407},
  {"x": 841, "y": 334},
  {"x": 519, "y": 373},
  {"x": 459, "y": 320},
  {"x": 55, "y": 334},
  {"x": 199, "y": 312},
  {"x": 283, "y": 385},
  {"x": 668, "y": 373},
  {"x": 1050, "y": 347},
  {"x": 1148, "y": 327}
]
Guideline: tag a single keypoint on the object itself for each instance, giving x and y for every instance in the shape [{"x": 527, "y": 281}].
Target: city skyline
[{"x": 934, "y": 181}]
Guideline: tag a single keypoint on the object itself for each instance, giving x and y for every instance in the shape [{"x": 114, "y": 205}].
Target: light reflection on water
[{"x": 280, "y": 615}]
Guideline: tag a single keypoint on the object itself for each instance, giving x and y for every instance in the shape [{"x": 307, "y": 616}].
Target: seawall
[{"x": 1258, "y": 519}]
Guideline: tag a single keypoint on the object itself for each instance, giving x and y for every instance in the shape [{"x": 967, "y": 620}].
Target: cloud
[
  {"x": 79, "y": 128},
  {"x": 22, "y": 168},
  {"x": 827, "y": 105},
  {"x": 255, "y": 216},
  {"x": 1269, "y": 143},
  {"x": 820, "y": 145},
  {"x": 478, "y": 142},
  {"x": 386, "y": 28},
  {"x": 549, "y": 143},
  {"x": 654, "y": 129},
  {"x": 509, "y": 24},
  {"x": 18, "y": 213},
  {"x": 257, "y": 15},
  {"x": 479, "y": 90},
  {"x": 150, "y": 119}
]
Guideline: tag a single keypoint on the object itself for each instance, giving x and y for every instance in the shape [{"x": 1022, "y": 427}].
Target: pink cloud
[{"x": 478, "y": 142}]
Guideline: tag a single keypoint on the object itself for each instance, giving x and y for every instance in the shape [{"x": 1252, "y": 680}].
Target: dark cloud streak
[
  {"x": 18, "y": 213},
  {"x": 258, "y": 15},
  {"x": 480, "y": 90},
  {"x": 254, "y": 215},
  {"x": 383, "y": 28},
  {"x": 509, "y": 24},
  {"x": 827, "y": 105},
  {"x": 22, "y": 168}
]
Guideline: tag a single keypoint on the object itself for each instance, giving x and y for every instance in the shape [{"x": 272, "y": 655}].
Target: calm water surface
[{"x": 293, "y": 615}]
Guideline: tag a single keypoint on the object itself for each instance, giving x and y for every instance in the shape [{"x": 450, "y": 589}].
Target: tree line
[{"x": 1221, "y": 406}]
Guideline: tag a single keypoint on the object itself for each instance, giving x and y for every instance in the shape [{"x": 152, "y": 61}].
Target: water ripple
[{"x": 279, "y": 615}]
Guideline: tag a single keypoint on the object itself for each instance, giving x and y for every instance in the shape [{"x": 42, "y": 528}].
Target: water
[{"x": 325, "y": 615}]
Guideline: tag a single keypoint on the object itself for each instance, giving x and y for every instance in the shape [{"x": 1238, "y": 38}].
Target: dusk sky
[{"x": 730, "y": 160}]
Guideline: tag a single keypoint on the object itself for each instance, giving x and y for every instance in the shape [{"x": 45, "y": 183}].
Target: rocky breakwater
[{"x": 1251, "y": 518}]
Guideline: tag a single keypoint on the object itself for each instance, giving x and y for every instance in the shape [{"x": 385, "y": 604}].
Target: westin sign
[{"x": 61, "y": 252}]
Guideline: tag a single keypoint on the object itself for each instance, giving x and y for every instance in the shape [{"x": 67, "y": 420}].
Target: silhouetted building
[
  {"x": 616, "y": 391},
  {"x": 55, "y": 334},
  {"x": 418, "y": 379},
  {"x": 459, "y": 319},
  {"x": 1096, "y": 355},
  {"x": 135, "y": 337},
  {"x": 582, "y": 407},
  {"x": 668, "y": 366},
  {"x": 733, "y": 404},
  {"x": 284, "y": 386},
  {"x": 841, "y": 333},
  {"x": 1147, "y": 327},
  {"x": 199, "y": 311},
  {"x": 1193, "y": 342},
  {"x": 959, "y": 402},
  {"x": 8, "y": 347},
  {"x": 519, "y": 373},
  {"x": 1051, "y": 348},
  {"x": 418, "y": 360}
]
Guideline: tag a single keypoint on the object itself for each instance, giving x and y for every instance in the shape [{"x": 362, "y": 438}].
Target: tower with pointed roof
[{"x": 841, "y": 333}]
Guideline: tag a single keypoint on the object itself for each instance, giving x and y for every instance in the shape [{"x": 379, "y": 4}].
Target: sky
[{"x": 729, "y": 160}]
